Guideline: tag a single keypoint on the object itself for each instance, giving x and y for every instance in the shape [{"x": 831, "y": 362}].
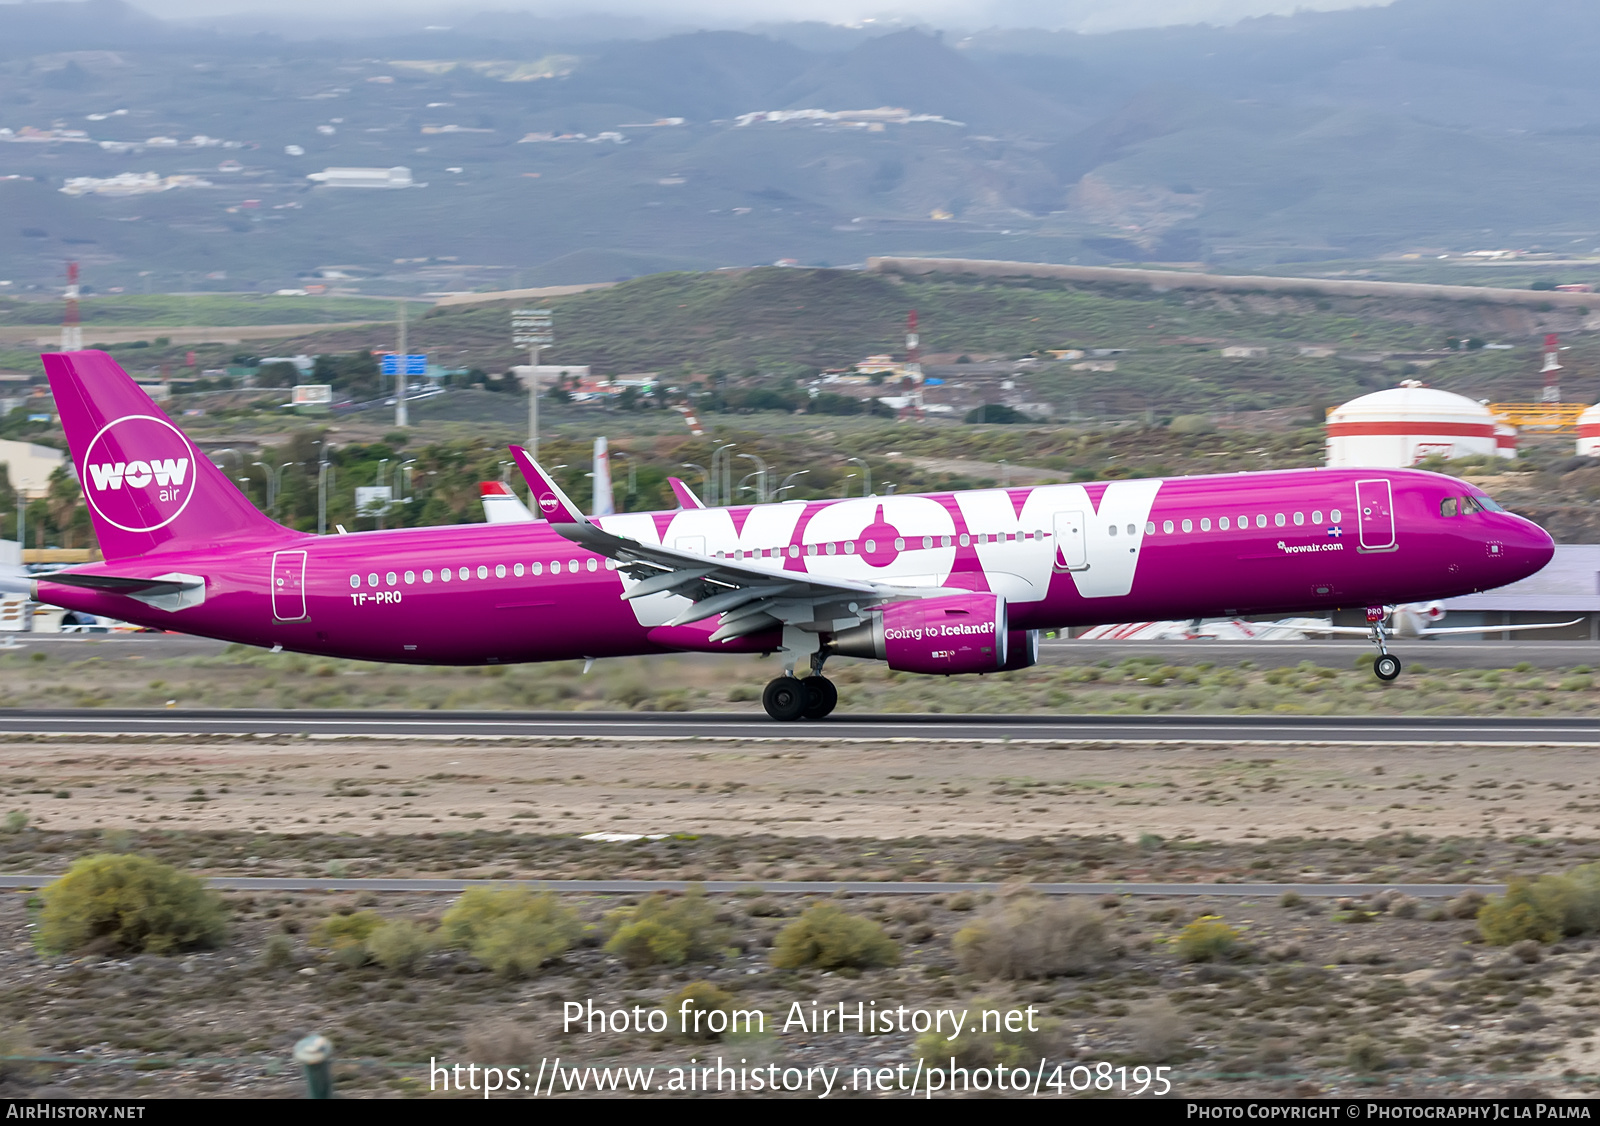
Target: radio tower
[
  {"x": 71, "y": 329},
  {"x": 1551, "y": 370}
]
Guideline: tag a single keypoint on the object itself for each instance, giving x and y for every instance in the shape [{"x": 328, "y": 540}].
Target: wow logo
[
  {"x": 139, "y": 473},
  {"x": 548, "y": 503}
]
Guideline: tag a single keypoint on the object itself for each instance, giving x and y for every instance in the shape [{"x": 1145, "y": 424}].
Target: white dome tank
[
  {"x": 1397, "y": 428},
  {"x": 1589, "y": 433}
]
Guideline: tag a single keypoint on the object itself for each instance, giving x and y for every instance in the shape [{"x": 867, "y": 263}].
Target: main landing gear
[
  {"x": 789, "y": 698},
  {"x": 812, "y": 696},
  {"x": 1387, "y": 666}
]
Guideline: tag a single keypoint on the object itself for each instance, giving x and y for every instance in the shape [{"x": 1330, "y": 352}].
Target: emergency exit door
[{"x": 1072, "y": 553}]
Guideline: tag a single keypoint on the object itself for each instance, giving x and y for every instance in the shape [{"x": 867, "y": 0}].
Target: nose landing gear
[{"x": 1387, "y": 666}]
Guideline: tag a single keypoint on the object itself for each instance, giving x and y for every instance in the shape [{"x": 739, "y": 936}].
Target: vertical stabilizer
[
  {"x": 553, "y": 504},
  {"x": 146, "y": 485},
  {"x": 685, "y": 495}
]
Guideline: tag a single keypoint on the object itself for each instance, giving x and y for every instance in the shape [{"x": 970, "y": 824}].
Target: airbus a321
[{"x": 941, "y": 584}]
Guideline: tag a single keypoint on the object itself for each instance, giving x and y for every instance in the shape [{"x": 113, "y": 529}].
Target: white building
[
  {"x": 397, "y": 177},
  {"x": 30, "y": 466},
  {"x": 1399, "y": 427}
]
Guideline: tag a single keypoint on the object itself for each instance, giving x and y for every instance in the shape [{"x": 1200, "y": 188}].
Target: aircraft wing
[
  {"x": 748, "y": 597},
  {"x": 1316, "y": 625},
  {"x": 1437, "y": 631}
]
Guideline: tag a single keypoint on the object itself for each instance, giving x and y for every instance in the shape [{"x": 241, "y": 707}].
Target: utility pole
[
  {"x": 531, "y": 328},
  {"x": 401, "y": 419}
]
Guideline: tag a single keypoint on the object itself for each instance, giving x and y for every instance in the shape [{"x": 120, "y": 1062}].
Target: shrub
[
  {"x": 133, "y": 903},
  {"x": 337, "y": 932},
  {"x": 1535, "y": 909},
  {"x": 1363, "y": 1053},
  {"x": 665, "y": 929},
  {"x": 1157, "y": 1031},
  {"x": 16, "y": 821},
  {"x": 399, "y": 944},
  {"x": 690, "y": 1008},
  {"x": 1208, "y": 939},
  {"x": 978, "y": 1048},
  {"x": 278, "y": 952},
  {"x": 827, "y": 937},
  {"x": 511, "y": 930},
  {"x": 1033, "y": 937}
]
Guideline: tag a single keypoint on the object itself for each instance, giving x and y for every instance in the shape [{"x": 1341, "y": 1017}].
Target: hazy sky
[{"x": 1079, "y": 15}]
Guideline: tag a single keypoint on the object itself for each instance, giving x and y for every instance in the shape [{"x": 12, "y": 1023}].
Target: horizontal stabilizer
[
  {"x": 120, "y": 584},
  {"x": 553, "y": 504}
]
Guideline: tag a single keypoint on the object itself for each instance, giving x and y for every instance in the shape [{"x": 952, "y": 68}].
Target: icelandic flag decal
[{"x": 1336, "y": 531}]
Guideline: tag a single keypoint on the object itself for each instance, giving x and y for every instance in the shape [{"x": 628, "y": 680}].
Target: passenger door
[
  {"x": 289, "y": 586},
  {"x": 1072, "y": 553},
  {"x": 1375, "y": 516}
]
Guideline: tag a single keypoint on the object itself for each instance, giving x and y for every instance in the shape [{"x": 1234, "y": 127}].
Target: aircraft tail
[{"x": 146, "y": 485}]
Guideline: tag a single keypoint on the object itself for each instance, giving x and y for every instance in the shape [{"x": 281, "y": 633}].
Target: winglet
[
  {"x": 553, "y": 504},
  {"x": 685, "y": 495}
]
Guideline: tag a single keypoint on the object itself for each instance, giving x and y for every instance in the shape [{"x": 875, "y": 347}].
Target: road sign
[
  {"x": 415, "y": 364},
  {"x": 371, "y": 500},
  {"x": 531, "y": 326}
]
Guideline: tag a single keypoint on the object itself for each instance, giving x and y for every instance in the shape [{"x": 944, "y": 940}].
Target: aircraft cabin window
[
  {"x": 899, "y": 543},
  {"x": 1279, "y": 520},
  {"x": 1261, "y": 519},
  {"x": 355, "y": 581},
  {"x": 411, "y": 577},
  {"x": 1205, "y": 523},
  {"x": 1335, "y": 516},
  {"x": 536, "y": 568},
  {"x": 1113, "y": 529},
  {"x": 831, "y": 548},
  {"x": 965, "y": 539},
  {"x": 427, "y": 576},
  {"x": 1449, "y": 507},
  {"x": 372, "y": 579},
  {"x": 391, "y": 578},
  {"x": 444, "y": 574},
  {"x": 1316, "y": 517},
  {"x": 794, "y": 551},
  {"x": 1166, "y": 526},
  {"x": 517, "y": 570},
  {"x": 1150, "y": 527},
  {"x": 594, "y": 564},
  {"x": 1299, "y": 518},
  {"x": 1244, "y": 522},
  {"x": 945, "y": 541},
  {"x": 499, "y": 570},
  {"x": 1132, "y": 530},
  {"x": 849, "y": 547},
  {"x": 464, "y": 574},
  {"x": 1188, "y": 525}
]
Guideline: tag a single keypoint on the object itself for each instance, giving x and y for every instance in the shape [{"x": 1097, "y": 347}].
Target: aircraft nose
[{"x": 1527, "y": 546}]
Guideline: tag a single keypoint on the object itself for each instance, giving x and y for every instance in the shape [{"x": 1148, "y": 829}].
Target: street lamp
[
  {"x": 866, "y": 471},
  {"x": 781, "y": 489},
  {"x": 633, "y": 476},
  {"x": 760, "y": 476}
]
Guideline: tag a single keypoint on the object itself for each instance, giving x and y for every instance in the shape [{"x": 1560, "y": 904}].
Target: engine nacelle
[
  {"x": 956, "y": 633},
  {"x": 1022, "y": 649}
]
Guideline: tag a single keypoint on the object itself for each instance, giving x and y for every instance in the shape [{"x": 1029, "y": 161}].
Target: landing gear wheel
[
  {"x": 821, "y": 697},
  {"x": 784, "y": 699},
  {"x": 1386, "y": 667}
]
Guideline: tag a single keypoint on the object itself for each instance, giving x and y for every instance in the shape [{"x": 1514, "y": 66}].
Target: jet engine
[
  {"x": 1022, "y": 649},
  {"x": 955, "y": 633}
]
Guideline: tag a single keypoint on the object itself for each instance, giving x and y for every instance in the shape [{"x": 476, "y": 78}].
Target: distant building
[
  {"x": 1317, "y": 351},
  {"x": 1244, "y": 352},
  {"x": 397, "y": 177},
  {"x": 1399, "y": 427},
  {"x": 30, "y": 466}
]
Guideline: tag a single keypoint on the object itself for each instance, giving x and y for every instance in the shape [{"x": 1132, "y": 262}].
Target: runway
[
  {"x": 524, "y": 726},
  {"x": 808, "y": 887}
]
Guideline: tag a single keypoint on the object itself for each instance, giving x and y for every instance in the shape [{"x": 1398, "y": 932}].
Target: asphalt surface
[
  {"x": 1224, "y": 729},
  {"x": 807, "y": 887},
  {"x": 1341, "y": 654}
]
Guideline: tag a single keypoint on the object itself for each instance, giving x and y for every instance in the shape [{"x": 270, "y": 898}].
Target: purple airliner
[{"x": 941, "y": 583}]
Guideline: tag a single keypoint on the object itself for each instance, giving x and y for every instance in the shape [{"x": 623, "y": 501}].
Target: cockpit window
[
  {"x": 1480, "y": 504},
  {"x": 1449, "y": 506}
]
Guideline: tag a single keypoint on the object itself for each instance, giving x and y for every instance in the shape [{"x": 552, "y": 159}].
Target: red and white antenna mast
[
  {"x": 71, "y": 329},
  {"x": 1551, "y": 370}
]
